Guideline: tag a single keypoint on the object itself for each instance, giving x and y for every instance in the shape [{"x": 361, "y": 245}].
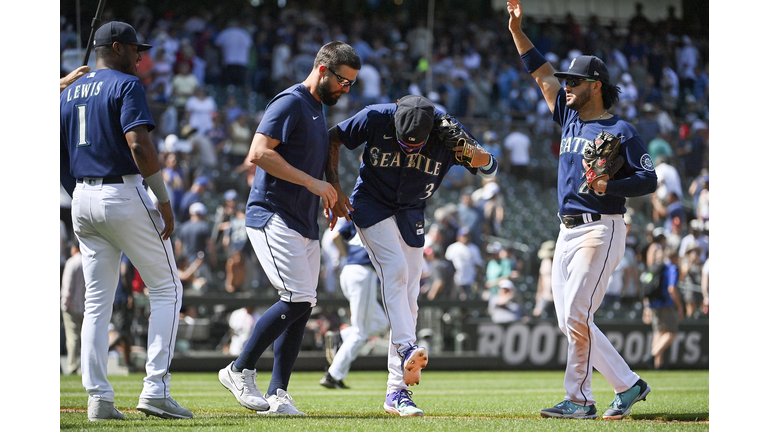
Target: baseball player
[
  {"x": 106, "y": 154},
  {"x": 592, "y": 234},
  {"x": 359, "y": 283},
  {"x": 289, "y": 148},
  {"x": 409, "y": 147}
]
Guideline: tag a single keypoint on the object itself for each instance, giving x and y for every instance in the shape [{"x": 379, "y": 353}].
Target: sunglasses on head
[
  {"x": 344, "y": 82},
  {"x": 574, "y": 82}
]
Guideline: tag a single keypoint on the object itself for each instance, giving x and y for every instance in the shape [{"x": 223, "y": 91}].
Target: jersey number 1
[{"x": 81, "y": 128}]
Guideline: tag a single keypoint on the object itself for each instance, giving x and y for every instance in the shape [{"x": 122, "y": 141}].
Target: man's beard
[
  {"x": 326, "y": 94},
  {"x": 578, "y": 102}
]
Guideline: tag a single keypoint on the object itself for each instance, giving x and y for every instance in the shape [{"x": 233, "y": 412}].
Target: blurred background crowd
[{"x": 210, "y": 74}]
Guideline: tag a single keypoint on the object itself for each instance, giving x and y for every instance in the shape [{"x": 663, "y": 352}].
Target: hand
[
  {"x": 342, "y": 207},
  {"x": 515, "y": 10},
  {"x": 326, "y": 192},
  {"x": 167, "y": 213},
  {"x": 599, "y": 184},
  {"x": 72, "y": 77}
]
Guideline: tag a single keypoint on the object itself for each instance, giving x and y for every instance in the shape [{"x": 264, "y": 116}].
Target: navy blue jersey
[
  {"x": 296, "y": 119},
  {"x": 356, "y": 252},
  {"x": 636, "y": 177},
  {"x": 92, "y": 145},
  {"x": 391, "y": 181}
]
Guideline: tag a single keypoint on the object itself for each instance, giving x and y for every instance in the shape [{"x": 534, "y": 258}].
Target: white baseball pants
[
  {"x": 359, "y": 284},
  {"x": 109, "y": 219},
  {"x": 399, "y": 268},
  {"x": 290, "y": 260},
  {"x": 585, "y": 257}
]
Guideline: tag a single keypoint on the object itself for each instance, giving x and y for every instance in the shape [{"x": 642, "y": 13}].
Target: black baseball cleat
[{"x": 329, "y": 382}]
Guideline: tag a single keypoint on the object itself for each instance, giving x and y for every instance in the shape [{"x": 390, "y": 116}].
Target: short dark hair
[
  {"x": 337, "y": 53},
  {"x": 102, "y": 51},
  {"x": 610, "y": 93}
]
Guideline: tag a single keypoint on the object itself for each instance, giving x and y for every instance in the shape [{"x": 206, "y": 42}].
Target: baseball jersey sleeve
[{"x": 135, "y": 108}]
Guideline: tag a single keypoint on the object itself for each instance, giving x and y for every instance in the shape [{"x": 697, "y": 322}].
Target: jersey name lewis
[
  {"x": 84, "y": 90},
  {"x": 397, "y": 159}
]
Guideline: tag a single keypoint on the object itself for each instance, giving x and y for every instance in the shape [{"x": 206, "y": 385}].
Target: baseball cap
[
  {"x": 494, "y": 248},
  {"x": 462, "y": 231},
  {"x": 197, "y": 208},
  {"x": 506, "y": 284},
  {"x": 490, "y": 189},
  {"x": 230, "y": 195},
  {"x": 589, "y": 67},
  {"x": 202, "y": 180},
  {"x": 414, "y": 118},
  {"x": 116, "y": 31}
]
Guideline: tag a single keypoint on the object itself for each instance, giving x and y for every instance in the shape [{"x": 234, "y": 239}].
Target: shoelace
[
  {"x": 249, "y": 382},
  {"x": 618, "y": 402},
  {"x": 405, "y": 397}
]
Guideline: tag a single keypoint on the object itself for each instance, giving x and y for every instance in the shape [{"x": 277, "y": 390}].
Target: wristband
[
  {"x": 156, "y": 183},
  {"x": 532, "y": 59}
]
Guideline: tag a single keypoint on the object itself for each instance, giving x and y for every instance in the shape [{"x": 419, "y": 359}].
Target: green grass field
[{"x": 452, "y": 401}]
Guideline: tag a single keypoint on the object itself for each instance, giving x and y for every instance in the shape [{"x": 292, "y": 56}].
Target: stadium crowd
[{"x": 209, "y": 77}]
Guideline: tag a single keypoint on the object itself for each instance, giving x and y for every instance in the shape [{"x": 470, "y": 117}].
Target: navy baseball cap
[
  {"x": 116, "y": 31},
  {"x": 588, "y": 67},
  {"x": 414, "y": 119}
]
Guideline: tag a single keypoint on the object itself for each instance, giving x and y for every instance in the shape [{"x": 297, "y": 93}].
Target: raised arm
[{"x": 534, "y": 61}]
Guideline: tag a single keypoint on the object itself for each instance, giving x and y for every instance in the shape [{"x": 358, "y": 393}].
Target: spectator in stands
[
  {"x": 545, "y": 302},
  {"x": 467, "y": 261},
  {"x": 471, "y": 217},
  {"x": 122, "y": 314},
  {"x": 174, "y": 181},
  {"x": 697, "y": 238},
  {"x": 240, "y": 135},
  {"x": 194, "y": 239},
  {"x": 672, "y": 213},
  {"x": 241, "y": 323},
  {"x": 690, "y": 279},
  {"x": 183, "y": 85},
  {"x": 235, "y": 45},
  {"x": 497, "y": 269},
  {"x": 199, "y": 109},
  {"x": 440, "y": 284},
  {"x": 663, "y": 314},
  {"x": 668, "y": 179},
  {"x": 193, "y": 195},
  {"x": 201, "y": 150},
  {"x": 659, "y": 146},
  {"x": 235, "y": 242},
  {"x": 73, "y": 306},
  {"x": 503, "y": 307},
  {"x": 518, "y": 146}
]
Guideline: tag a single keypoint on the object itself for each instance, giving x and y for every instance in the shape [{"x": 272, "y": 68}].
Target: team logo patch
[
  {"x": 601, "y": 162},
  {"x": 646, "y": 162}
]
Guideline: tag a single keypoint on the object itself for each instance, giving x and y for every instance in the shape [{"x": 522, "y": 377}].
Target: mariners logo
[{"x": 646, "y": 162}]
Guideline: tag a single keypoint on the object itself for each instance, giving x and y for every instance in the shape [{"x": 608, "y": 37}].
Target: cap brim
[
  {"x": 568, "y": 74},
  {"x": 143, "y": 47}
]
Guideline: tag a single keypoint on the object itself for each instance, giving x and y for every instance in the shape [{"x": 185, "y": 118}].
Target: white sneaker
[
  {"x": 166, "y": 408},
  {"x": 99, "y": 409},
  {"x": 243, "y": 386},
  {"x": 281, "y": 403}
]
